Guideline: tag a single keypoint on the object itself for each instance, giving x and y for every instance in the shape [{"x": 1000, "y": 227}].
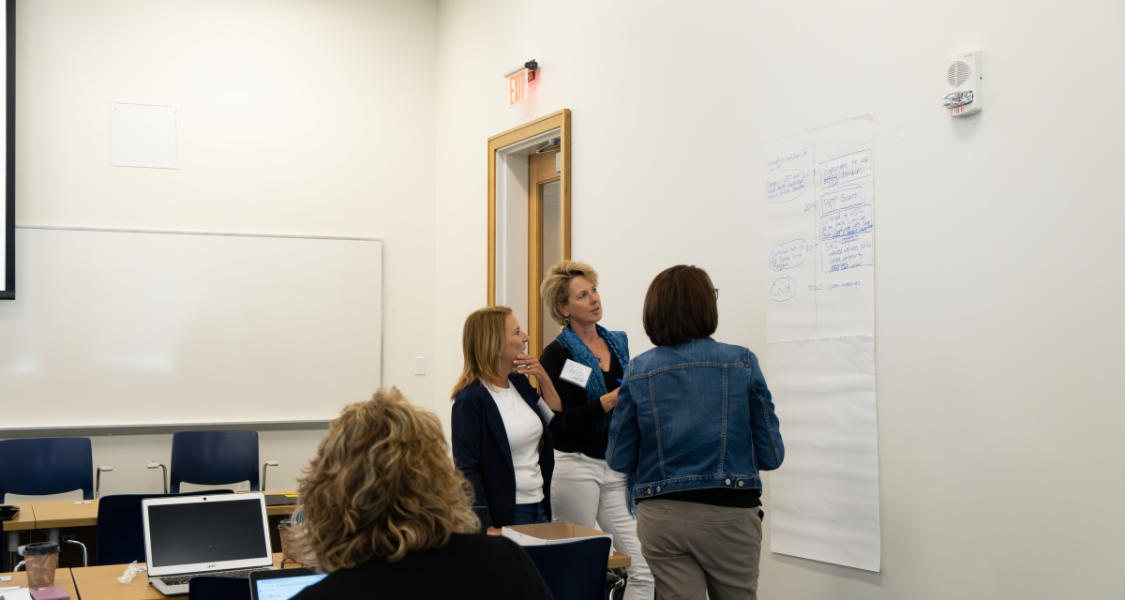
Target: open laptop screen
[
  {"x": 206, "y": 532},
  {"x": 280, "y": 585}
]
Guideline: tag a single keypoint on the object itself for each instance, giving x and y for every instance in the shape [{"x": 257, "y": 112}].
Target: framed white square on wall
[{"x": 144, "y": 135}]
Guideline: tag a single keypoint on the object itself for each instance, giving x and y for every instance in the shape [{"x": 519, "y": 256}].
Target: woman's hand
[
  {"x": 610, "y": 400},
  {"x": 529, "y": 365},
  {"x": 494, "y": 531}
]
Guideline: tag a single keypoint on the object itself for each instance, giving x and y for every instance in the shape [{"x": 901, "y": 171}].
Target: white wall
[
  {"x": 997, "y": 314},
  {"x": 296, "y": 117}
]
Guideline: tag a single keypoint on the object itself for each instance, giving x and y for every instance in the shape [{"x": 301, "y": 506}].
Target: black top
[
  {"x": 715, "y": 497},
  {"x": 469, "y": 567},
  {"x": 573, "y": 429}
]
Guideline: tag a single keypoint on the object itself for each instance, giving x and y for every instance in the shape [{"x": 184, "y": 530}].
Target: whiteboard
[
  {"x": 7, "y": 163},
  {"x": 156, "y": 328}
]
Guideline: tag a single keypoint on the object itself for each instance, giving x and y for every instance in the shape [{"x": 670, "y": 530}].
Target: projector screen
[{"x": 8, "y": 156}]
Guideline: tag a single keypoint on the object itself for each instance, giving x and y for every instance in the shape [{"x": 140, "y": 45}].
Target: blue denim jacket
[{"x": 691, "y": 416}]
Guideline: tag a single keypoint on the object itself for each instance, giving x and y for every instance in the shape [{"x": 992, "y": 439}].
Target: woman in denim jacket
[{"x": 696, "y": 421}]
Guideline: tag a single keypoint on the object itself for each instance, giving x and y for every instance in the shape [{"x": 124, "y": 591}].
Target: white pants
[{"x": 585, "y": 490}]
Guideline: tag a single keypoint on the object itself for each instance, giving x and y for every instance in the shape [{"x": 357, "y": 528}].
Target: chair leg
[
  {"x": 70, "y": 539},
  {"x": 10, "y": 550}
]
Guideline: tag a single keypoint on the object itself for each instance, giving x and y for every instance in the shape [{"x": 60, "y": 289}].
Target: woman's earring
[{"x": 566, "y": 321}]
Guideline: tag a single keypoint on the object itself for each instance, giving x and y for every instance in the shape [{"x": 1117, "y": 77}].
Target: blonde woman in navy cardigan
[{"x": 500, "y": 438}]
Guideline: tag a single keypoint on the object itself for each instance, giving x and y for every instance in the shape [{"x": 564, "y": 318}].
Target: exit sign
[{"x": 517, "y": 87}]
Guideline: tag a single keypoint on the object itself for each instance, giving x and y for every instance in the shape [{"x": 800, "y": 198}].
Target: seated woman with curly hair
[{"x": 387, "y": 513}]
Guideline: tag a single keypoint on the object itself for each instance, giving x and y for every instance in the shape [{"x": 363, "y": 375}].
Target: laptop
[
  {"x": 281, "y": 584},
  {"x": 185, "y": 536}
]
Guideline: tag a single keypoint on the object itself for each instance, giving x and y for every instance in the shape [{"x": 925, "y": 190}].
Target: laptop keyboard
[{"x": 182, "y": 579}]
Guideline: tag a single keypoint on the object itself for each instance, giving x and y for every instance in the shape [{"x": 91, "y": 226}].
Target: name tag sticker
[{"x": 575, "y": 373}]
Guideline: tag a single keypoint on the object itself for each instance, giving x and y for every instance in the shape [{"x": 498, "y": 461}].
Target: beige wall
[
  {"x": 296, "y": 117},
  {"x": 997, "y": 317},
  {"x": 998, "y": 283}
]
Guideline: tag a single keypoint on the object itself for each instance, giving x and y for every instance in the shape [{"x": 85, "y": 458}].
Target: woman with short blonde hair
[
  {"x": 385, "y": 507},
  {"x": 585, "y": 490},
  {"x": 493, "y": 401}
]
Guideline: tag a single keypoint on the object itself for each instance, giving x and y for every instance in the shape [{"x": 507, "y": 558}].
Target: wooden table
[
  {"x": 63, "y": 579},
  {"x": 98, "y": 583},
  {"x": 619, "y": 561},
  {"x": 23, "y": 521},
  {"x": 65, "y": 513}
]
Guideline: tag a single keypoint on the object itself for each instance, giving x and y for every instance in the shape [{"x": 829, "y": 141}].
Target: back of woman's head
[
  {"x": 680, "y": 306},
  {"x": 382, "y": 484},
  {"x": 481, "y": 341}
]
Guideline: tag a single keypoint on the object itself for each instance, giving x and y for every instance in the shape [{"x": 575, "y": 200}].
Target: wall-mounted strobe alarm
[{"x": 964, "y": 80}]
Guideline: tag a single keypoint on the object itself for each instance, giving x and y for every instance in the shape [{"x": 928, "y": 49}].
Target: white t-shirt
[{"x": 524, "y": 431}]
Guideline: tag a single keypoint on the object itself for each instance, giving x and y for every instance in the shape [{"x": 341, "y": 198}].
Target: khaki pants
[{"x": 698, "y": 549}]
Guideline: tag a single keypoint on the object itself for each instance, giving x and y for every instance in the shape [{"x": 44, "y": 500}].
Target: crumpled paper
[{"x": 129, "y": 574}]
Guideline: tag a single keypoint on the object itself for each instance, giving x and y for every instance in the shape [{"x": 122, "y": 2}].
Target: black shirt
[
  {"x": 469, "y": 567},
  {"x": 715, "y": 497},
  {"x": 573, "y": 429}
]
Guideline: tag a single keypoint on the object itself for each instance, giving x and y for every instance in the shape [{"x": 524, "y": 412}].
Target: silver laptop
[{"x": 225, "y": 535}]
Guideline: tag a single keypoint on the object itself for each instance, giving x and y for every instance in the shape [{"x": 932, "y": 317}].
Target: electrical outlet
[{"x": 420, "y": 365}]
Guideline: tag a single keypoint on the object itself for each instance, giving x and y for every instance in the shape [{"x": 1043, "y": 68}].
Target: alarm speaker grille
[{"x": 958, "y": 73}]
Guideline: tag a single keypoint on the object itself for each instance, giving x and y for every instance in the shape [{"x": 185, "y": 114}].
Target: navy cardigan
[{"x": 481, "y": 451}]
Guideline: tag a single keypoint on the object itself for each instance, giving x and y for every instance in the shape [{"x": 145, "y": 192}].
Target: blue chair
[
  {"x": 573, "y": 570},
  {"x": 45, "y": 466},
  {"x": 485, "y": 518},
  {"x": 120, "y": 533},
  {"x": 214, "y": 458},
  {"x": 211, "y": 587}
]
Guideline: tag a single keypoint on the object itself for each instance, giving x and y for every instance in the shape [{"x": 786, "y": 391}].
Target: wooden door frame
[
  {"x": 535, "y": 249},
  {"x": 559, "y": 120}
]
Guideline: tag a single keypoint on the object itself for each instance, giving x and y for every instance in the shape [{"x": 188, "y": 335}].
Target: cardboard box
[{"x": 545, "y": 534}]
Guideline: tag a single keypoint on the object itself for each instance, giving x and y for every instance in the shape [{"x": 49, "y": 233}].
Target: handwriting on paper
[
  {"x": 841, "y": 170},
  {"x": 783, "y": 289},
  {"x": 788, "y": 255}
]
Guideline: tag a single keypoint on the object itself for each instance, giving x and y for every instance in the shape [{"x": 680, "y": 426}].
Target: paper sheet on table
[
  {"x": 20, "y": 594},
  {"x": 820, "y": 230},
  {"x": 825, "y": 497},
  {"x": 545, "y": 410}
]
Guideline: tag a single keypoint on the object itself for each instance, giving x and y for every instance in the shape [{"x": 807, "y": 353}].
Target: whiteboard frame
[
  {"x": 157, "y": 428},
  {"x": 230, "y": 234},
  {"x": 9, "y": 204}
]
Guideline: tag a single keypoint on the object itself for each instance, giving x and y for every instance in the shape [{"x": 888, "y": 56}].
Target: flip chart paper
[
  {"x": 820, "y": 325},
  {"x": 820, "y": 230},
  {"x": 825, "y": 497}
]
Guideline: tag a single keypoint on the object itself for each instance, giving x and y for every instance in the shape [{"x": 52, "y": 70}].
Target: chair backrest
[
  {"x": 120, "y": 531},
  {"x": 485, "y": 518},
  {"x": 214, "y": 457},
  {"x": 219, "y": 588},
  {"x": 44, "y": 466},
  {"x": 573, "y": 570}
]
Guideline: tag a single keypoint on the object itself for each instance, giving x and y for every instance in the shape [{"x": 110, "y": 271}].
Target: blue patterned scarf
[{"x": 595, "y": 386}]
